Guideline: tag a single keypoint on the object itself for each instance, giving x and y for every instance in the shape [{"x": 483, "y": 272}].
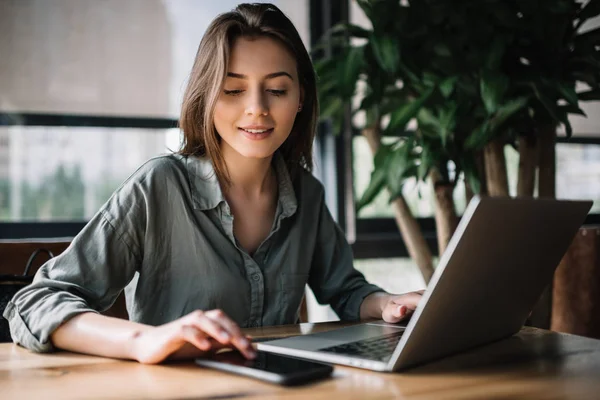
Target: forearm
[
  {"x": 95, "y": 334},
  {"x": 372, "y": 306}
]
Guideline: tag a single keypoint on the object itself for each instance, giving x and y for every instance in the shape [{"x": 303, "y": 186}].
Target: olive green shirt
[{"x": 166, "y": 237}]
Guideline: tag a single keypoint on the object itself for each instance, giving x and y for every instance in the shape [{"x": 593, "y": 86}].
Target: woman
[{"x": 226, "y": 233}]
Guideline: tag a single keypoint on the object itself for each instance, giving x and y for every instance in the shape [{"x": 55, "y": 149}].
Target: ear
[{"x": 301, "y": 104}]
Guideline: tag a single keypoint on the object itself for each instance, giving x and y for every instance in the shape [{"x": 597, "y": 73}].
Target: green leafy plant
[{"x": 474, "y": 76}]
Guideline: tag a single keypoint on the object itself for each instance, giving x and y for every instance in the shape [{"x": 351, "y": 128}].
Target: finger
[
  {"x": 226, "y": 322},
  {"x": 410, "y": 300},
  {"x": 238, "y": 339},
  {"x": 400, "y": 311},
  {"x": 394, "y": 313},
  {"x": 211, "y": 327},
  {"x": 195, "y": 336}
]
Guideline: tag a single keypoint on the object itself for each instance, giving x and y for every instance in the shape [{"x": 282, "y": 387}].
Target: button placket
[
  {"x": 257, "y": 289},
  {"x": 226, "y": 219}
]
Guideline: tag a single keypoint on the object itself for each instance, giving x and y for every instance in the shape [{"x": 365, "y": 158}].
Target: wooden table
[{"x": 534, "y": 364}]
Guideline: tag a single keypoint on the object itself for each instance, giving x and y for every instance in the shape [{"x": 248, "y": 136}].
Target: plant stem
[
  {"x": 413, "y": 237},
  {"x": 528, "y": 160},
  {"x": 445, "y": 213},
  {"x": 547, "y": 162},
  {"x": 407, "y": 224},
  {"x": 495, "y": 168}
]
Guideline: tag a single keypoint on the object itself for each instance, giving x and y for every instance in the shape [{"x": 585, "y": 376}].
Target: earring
[{"x": 300, "y": 108}]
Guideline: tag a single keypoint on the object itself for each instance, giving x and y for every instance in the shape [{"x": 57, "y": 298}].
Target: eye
[
  {"x": 232, "y": 92},
  {"x": 276, "y": 92}
]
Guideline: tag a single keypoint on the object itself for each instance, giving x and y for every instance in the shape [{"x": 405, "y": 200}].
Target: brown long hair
[{"x": 209, "y": 72}]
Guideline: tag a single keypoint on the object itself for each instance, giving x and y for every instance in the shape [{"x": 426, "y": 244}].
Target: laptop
[{"x": 496, "y": 266}]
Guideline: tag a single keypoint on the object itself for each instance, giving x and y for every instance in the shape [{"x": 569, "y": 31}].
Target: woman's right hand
[{"x": 190, "y": 336}]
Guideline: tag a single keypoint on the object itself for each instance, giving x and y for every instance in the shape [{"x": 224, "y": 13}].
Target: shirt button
[{"x": 256, "y": 277}]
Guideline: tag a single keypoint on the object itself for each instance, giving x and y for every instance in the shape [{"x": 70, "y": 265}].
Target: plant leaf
[
  {"x": 564, "y": 119},
  {"x": 568, "y": 91},
  {"x": 442, "y": 50},
  {"x": 400, "y": 117},
  {"x": 570, "y": 109},
  {"x": 426, "y": 118},
  {"x": 429, "y": 79},
  {"x": 548, "y": 104},
  {"x": 492, "y": 86},
  {"x": 408, "y": 73},
  {"x": 352, "y": 67},
  {"x": 447, "y": 86},
  {"x": 331, "y": 107},
  {"x": 471, "y": 173},
  {"x": 447, "y": 122},
  {"x": 386, "y": 52},
  {"x": 568, "y": 127},
  {"x": 480, "y": 136},
  {"x": 427, "y": 159},
  {"x": 397, "y": 166},
  {"x": 378, "y": 176},
  {"x": 506, "y": 111},
  {"x": 350, "y": 29}
]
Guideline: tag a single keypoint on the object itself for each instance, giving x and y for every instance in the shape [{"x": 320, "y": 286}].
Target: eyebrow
[{"x": 269, "y": 76}]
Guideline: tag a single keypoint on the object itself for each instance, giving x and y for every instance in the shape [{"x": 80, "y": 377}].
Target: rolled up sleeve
[
  {"x": 87, "y": 277},
  {"x": 333, "y": 278}
]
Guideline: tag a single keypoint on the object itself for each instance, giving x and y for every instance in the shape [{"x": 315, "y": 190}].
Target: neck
[{"x": 251, "y": 177}]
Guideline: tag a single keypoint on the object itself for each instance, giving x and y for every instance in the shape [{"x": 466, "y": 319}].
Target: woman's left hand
[{"x": 398, "y": 307}]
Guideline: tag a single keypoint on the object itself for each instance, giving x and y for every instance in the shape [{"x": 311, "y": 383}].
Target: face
[{"x": 256, "y": 110}]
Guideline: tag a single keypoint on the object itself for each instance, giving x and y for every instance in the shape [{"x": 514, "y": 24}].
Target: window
[
  {"x": 578, "y": 172},
  {"x": 86, "y": 164},
  {"x": 92, "y": 90}
]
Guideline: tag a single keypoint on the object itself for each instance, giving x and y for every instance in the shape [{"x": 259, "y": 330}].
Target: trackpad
[
  {"x": 307, "y": 342},
  {"x": 336, "y": 337}
]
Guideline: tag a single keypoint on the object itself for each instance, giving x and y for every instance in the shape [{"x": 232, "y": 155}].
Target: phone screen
[
  {"x": 267, "y": 362},
  {"x": 267, "y": 366}
]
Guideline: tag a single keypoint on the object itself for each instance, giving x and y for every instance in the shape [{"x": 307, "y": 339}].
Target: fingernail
[
  {"x": 225, "y": 335},
  {"x": 244, "y": 342}
]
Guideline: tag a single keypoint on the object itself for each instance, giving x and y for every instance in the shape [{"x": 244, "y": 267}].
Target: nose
[{"x": 257, "y": 104}]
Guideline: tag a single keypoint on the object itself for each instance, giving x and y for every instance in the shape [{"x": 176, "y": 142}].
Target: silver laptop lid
[{"x": 501, "y": 257}]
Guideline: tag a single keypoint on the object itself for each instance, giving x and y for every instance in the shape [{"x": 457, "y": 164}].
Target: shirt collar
[
  {"x": 205, "y": 188},
  {"x": 207, "y": 194}
]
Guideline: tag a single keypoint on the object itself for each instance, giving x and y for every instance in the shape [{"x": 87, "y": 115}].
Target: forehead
[{"x": 260, "y": 56}]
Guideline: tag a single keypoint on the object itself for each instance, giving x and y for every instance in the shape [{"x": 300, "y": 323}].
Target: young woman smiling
[{"x": 225, "y": 233}]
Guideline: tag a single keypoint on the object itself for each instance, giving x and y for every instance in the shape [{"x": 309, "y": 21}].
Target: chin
[{"x": 256, "y": 153}]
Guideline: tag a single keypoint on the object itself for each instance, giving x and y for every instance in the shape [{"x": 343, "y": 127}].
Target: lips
[{"x": 256, "y": 132}]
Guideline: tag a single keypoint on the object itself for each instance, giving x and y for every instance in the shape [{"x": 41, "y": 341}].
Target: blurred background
[{"x": 89, "y": 90}]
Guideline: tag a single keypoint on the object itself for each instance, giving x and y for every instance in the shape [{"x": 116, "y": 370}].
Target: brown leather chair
[
  {"x": 576, "y": 294},
  {"x": 14, "y": 255}
]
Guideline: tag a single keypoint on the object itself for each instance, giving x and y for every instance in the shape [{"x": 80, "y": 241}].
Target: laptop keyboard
[{"x": 379, "y": 348}]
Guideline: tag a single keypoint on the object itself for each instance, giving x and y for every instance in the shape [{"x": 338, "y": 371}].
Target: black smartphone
[{"x": 273, "y": 368}]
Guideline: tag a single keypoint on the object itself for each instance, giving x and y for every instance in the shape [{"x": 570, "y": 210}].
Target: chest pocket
[{"x": 292, "y": 286}]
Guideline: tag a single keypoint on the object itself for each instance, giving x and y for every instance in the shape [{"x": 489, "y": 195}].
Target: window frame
[{"x": 67, "y": 229}]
